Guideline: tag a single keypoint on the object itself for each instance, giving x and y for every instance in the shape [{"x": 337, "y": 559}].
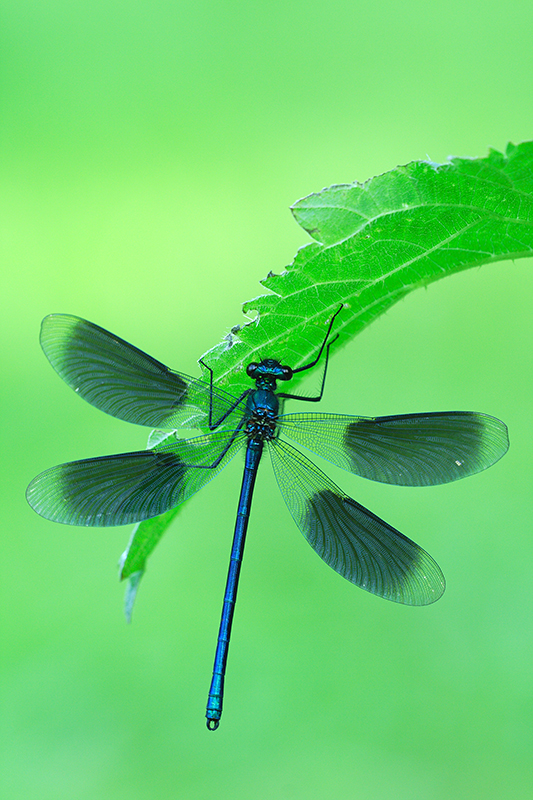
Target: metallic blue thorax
[{"x": 262, "y": 405}]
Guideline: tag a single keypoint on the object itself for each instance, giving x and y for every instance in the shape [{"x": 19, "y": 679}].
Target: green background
[{"x": 149, "y": 153}]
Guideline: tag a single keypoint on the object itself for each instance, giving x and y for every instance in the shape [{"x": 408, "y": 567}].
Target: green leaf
[
  {"x": 144, "y": 538},
  {"x": 375, "y": 242},
  {"x": 132, "y": 563},
  {"x": 131, "y": 593},
  {"x": 378, "y": 241}
]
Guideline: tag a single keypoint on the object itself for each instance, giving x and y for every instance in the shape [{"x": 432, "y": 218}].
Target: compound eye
[
  {"x": 251, "y": 368},
  {"x": 287, "y": 373}
]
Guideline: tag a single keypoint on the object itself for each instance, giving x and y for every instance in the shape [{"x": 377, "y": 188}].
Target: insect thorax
[
  {"x": 261, "y": 426},
  {"x": 262, "y": 413}
]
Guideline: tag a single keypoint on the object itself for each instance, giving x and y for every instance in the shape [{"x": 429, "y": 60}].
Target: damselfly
[{"x": 407, "y": 450}]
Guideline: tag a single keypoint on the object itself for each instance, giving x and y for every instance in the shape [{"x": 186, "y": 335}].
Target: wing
[
  {"x": 121, "y": 380},
  {"x": 130, "y": 487},
  {"x": 408, "y": 449},
  {"x": 354, "y": 542}
]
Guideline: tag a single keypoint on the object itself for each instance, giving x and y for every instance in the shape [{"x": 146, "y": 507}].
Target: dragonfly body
[
  {"x": 408, "y": 449},
  {"x": 262, "y": 407},
  {"x": 254, "y": 451}
]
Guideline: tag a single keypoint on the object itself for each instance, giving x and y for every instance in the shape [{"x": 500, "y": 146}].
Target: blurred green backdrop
[{"x": 149, "y": 153}]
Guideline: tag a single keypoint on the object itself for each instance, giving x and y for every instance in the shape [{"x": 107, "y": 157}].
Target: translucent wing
[
  {"x": 408, "y": 449},
  {"x": 130, "y": 487},
  {"x": 121, "y": 380},
  {"x": 351, "y": 540}
]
